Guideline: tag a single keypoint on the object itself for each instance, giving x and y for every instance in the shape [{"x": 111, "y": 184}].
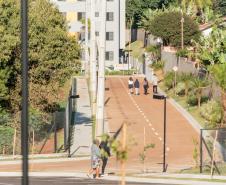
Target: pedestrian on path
[
  {"x": 130, "y": 85},
  {"x": 146, "y": 86},
  {"x": 137, "y": 86},
  {"x": 155, "y": 84},
  {"x": 95, "y": 159},
  {"x": 105, "y": 152}
]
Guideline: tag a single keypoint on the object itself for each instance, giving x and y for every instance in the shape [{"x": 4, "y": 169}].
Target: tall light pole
[
  {"x": 101, "y": 72},
  {"x": 24, "y": 114},
  {"x": 93, "y": 70}
]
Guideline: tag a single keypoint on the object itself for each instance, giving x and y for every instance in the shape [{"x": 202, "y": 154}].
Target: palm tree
[
  {"x": 219, "y": 73},
  {"x": 187, "y": 80},
  {"x": 196, "y": 7},
  {"x": 199, "y": 85}
]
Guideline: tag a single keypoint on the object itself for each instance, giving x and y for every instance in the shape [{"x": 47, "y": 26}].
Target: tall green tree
[
  {"x": 135, "y": 9},
  {"x": 53, "y": 57},
  {"x": 219, "y": 7},
  {"x": 52, "y": 53},
  {"x": 219, "y": 73},
  {"x": 167, "y": 25}
]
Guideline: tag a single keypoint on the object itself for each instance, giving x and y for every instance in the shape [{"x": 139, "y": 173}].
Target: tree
[
  {"x": 53, "y": 54},
  {"x": 219, "y": 72},
  {"x": 168, "y": 26},
  {"x": 196, "y": 8},
  {"x": 187, "y": 80},
  {"x": 199, "y": 85},
  {"x": 219, "y": 7},
  {"x": 211, "y": 50},
  {"x": 136, "y": 8}
]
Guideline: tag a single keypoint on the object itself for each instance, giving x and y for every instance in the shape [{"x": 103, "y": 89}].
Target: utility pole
[
  {"x": 86, "y": 42},
  {"x": 101, "y": 72},
  {"x": 182, "y": 30},
  {"x": 93, "y": 74}
]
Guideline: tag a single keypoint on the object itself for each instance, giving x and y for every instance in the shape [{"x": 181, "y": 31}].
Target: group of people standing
[
  {"x": 136, "y": 85},
  {"x": 100, "y": 151}
]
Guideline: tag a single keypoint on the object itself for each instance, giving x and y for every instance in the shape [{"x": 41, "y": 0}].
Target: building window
[
  {"x": 109, "y": 35},
  {"x": 109, "y": 55},
  {"x": 81, "y": 15},
  {"x": 96, "y": 14},
  {"x": 110, "y": 16},
  {"x": 97, "y": 33}
]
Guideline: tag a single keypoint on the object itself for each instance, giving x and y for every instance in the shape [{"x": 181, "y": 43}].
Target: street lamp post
[
  {"x": 69, "y": 118},
  {"x": 160, "y": 97},
  {"x": 24, "y": 113},
  {"x": 164, "y": 138}
]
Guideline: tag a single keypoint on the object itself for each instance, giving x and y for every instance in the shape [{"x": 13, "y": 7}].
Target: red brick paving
[{"x": 120, "y": 108}]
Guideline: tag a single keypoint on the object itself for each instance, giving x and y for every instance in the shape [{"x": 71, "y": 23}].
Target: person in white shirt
[
  {"x": 155, "y": 84},
  {"x": 130, "y": 85}
]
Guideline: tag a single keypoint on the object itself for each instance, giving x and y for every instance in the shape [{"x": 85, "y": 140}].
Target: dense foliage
[
  {"x": 136, "y": 8},
  {"x": 52, "y": 55},
  {"x": 168, "y": 26}
]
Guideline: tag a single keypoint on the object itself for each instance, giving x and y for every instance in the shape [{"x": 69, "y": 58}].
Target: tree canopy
[
  {"x": 167, "y": 25},
  {"x": 52, "y": 54},
  {"x": 136, "y": 8}
]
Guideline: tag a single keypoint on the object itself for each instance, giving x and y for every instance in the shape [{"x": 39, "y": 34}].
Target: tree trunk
[
  {"x": 33, "y": 142},
  {"x": 199, "y": 96},
  {"x": 14, "y": 142},
  {"x": 223, "y": 100},
  {"x": 3, "y": 150}
]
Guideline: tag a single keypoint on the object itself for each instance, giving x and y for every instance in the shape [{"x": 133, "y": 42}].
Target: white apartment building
[{"x": 75, "y": 11}]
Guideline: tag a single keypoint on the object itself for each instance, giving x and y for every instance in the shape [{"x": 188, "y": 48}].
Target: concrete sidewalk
[
  {"x": 200, "y": 180},
  {"x": 82, "y": 135}
]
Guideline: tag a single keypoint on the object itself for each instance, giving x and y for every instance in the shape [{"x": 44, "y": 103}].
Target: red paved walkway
[{"x": 140, "y": 111}]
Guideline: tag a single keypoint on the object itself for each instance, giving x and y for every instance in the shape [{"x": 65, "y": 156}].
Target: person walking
[
  {"x": 130, "y": 85},
  {"x": 146, "y": 86},
  {"x": 137, "y": 86},
  {"x": 95, "y": 159},
  {"x": 105, "y": 152},
  {"x": 155, "y": 84}
]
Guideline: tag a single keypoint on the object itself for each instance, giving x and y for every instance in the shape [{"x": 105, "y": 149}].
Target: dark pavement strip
[{"x": 64, "y": 181}]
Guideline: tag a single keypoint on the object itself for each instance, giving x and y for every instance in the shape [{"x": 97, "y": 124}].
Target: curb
[
  {"x": 45, "y": 160},
  {"x": 113, "y": 178}
]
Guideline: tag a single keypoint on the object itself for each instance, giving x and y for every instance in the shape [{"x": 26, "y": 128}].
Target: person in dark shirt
[
  {"x": 137, "y": 86},
  {"x": 105, "y": 152}
]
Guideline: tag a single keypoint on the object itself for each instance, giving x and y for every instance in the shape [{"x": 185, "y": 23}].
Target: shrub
[
  {"x": 125, "y": 72},
  {"x": 168, "y": 26},
  {"x": 158, "y": 65},
  {"x": 169, "y": 80},
  {"x": 6, "y": 137},
  {"x": 193, "y": 101},
  {"x": 182, "y": 53},
  {"x": 212, "y": 112},
  {"x": 180, "y": 88}
]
